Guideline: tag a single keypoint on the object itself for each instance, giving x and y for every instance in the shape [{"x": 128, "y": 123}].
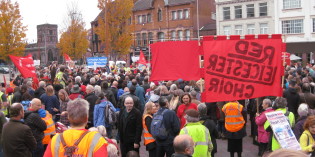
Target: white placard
[{"x": 282, "y": 130}]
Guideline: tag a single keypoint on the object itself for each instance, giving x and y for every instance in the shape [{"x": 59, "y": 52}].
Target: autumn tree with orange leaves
[
  {"x": 113, "y": 28},
  {"x": 12, "y": 31},
  {"x": 73, "y": 40}
]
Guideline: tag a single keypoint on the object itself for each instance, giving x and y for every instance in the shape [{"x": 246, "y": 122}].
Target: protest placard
[
  {"x": 93, "y": 62},
  {"x": 282, "y": 130}
]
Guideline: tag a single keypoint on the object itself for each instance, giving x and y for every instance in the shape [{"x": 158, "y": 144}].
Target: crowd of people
[{"x": 112, "y": 112}]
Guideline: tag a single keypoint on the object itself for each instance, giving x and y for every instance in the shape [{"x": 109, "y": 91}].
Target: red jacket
[{"x": 181, "y": 112}]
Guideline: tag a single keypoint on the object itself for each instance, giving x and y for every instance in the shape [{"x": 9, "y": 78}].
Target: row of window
[
  {"x": 176, "y": 15},
  {"x": 180, "y": 14},
  {"x": 142, "y": 39},
  {"x": 290, "y": 4},
  {"x": 250, "y": 11},
  {"x": 250, "y": 29}
]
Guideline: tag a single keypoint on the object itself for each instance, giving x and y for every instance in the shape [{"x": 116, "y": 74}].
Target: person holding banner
[
  {"x": 280, "y": 104},
  {"x": 234, "y": 125},
  {"x": 307, "y": 141}
]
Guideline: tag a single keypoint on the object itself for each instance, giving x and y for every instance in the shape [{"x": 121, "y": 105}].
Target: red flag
[
  {"x": 174, "y": 60},
  {"x": 142, "y": 59},
  {"x": 67, "y": 58},
  {"x": 286, "y": 57},
  {"x": 238, "y": 69},
  {"x": 26, "y": 66}
]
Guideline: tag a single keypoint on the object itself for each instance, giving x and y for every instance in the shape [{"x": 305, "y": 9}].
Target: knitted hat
[
  {"x": 192, "y": 113},
  {"x": 303, "y": 110}
]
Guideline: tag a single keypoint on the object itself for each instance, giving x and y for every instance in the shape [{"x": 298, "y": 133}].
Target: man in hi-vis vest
[{"x": 77, "y": 141}]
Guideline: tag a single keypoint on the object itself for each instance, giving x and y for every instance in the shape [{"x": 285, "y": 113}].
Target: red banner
[
  {"x": 242, "y": 69},
  {"x": 175, "y": 59},
  {"x": 286, "y": 58}
]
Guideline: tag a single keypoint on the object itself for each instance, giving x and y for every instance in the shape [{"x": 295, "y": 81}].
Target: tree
[
  {"x": 73, "y": 40},
  {"x": 113, "y": 28},
  {"x": 12, "y": 31}
]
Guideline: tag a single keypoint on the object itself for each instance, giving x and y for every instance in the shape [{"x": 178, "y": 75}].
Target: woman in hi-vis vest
[
  {"x": 234, "y": 125},
  {"x": 149, "y": 142}
]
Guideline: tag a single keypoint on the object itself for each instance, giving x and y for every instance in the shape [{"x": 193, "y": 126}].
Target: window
[
  {"x": 50, "y": 32},
  {"x": 138, "y": 39},
  {"x": 263, "y": 28},
  {"x": 313, "y": 25},
  {"x": 173, "y": 35},
  {"x": 174, "y": 15},
  {"x": 150, "y": 35},
  {"x": 139, "y": 19},
  {"x": 187, "y": 34},
  {"x": 149, "y": 18},
  {"x": 144, "y": 18},
  {"x": 238, "y": 12},
  {"x": 250, "y": 10},
  {"x": 186, "y": 13},
  {"x": 251, "y": 29},
  {"x": 238, "y": 30},
  {"x": 161, "y": 36},
  {"x": 129, "y": 20},
  {"x": 289, "y": 4},
  {"x": 227, "y": 30},
  {"x": 144, "y": 38},
  {"x": 159, "y": 15},
  {"x": 180, "y": 14},
  {"x": 292, "y": 26},
  {"x": 226, "y": 13},
  {"x": 180, "y": 35},
  {"x": 263, "y": 9}
]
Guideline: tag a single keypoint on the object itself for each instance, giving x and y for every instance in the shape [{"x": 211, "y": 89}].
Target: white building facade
[{"x": 295, "y": 19}]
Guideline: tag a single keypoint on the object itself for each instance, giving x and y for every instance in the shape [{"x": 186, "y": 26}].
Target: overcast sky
[{"x": 36, "y": 12}]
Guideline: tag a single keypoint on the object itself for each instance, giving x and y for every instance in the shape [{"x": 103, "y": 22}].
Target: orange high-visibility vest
[
  {"x": 89, "y": 144},
  {"x": 148, "y": 138},
  {"x": 234, "y": 120},
  {"x": 51, "y": 129}
]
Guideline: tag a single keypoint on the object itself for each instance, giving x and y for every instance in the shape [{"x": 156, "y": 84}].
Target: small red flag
[
  {"x": 67, "y": 58},
  {"x": 142, "y": 59}
]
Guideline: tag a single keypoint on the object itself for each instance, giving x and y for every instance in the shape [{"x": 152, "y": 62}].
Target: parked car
[{"x": 4, "y": 70}]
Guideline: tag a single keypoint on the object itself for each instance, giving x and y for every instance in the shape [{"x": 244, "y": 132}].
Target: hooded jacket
[{"x": 37, "y": 125}]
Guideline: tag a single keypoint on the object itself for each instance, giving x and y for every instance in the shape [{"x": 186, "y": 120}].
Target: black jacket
[
  {"x": 209, "y": 123},
  {"x": 91, "y": 98},
  {"x": 17, "y": 139},
  {"x": 171, "y": 123},
  {"x": 38, "y": 92},
  {"x": 130, "y": 127},
  {"x": 35, "y": 122},
  {"x": 110, "y": 96},
  {"x": 293, "y": 99}
]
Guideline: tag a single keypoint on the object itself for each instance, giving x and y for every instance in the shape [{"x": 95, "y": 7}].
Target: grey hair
[
  {"x": 78, "y": 110},
  {"x": 90, "y": 87},
  {"x": 97, "y": 90},
  {"x": 42, "y": 84},
  {"x": 29, "y": 83},
  {"x": 77, "y": 79},
  {"x": 173, "y": 87},
  {"x": 193, "y": 94},
  {"x": 202, "y": 108},
  {"x": 191, "y": 119},
  {"x": 268, "y": 102},
  {"x": 92, "y": 80},
  {"x": 280, "y": 102}
]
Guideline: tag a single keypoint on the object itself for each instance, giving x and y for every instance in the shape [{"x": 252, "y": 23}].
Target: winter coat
[
  {"x": 263, "y": 135},
  {"x": 35, "y": 122},
  {"x": 99, "y": 113},
  {"x": 293, "y": 99},
  {"x": 209, "y": 123},
  {"x": 298, "y": 128},
  {"x": 39, "y": 92},
  {"x": 91, "y": 98},
  {"x": 50, "y": 102}
]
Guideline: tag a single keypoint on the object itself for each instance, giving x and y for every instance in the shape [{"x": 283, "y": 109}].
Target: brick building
[
  {"x": 45, "y": 49},
  {"x": 164, "y": 20}
]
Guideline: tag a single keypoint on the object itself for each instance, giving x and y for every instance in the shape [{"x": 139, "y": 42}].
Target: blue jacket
[
  {"x": 99, "y": 113},
  {"x": 141, "y": 95}
]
